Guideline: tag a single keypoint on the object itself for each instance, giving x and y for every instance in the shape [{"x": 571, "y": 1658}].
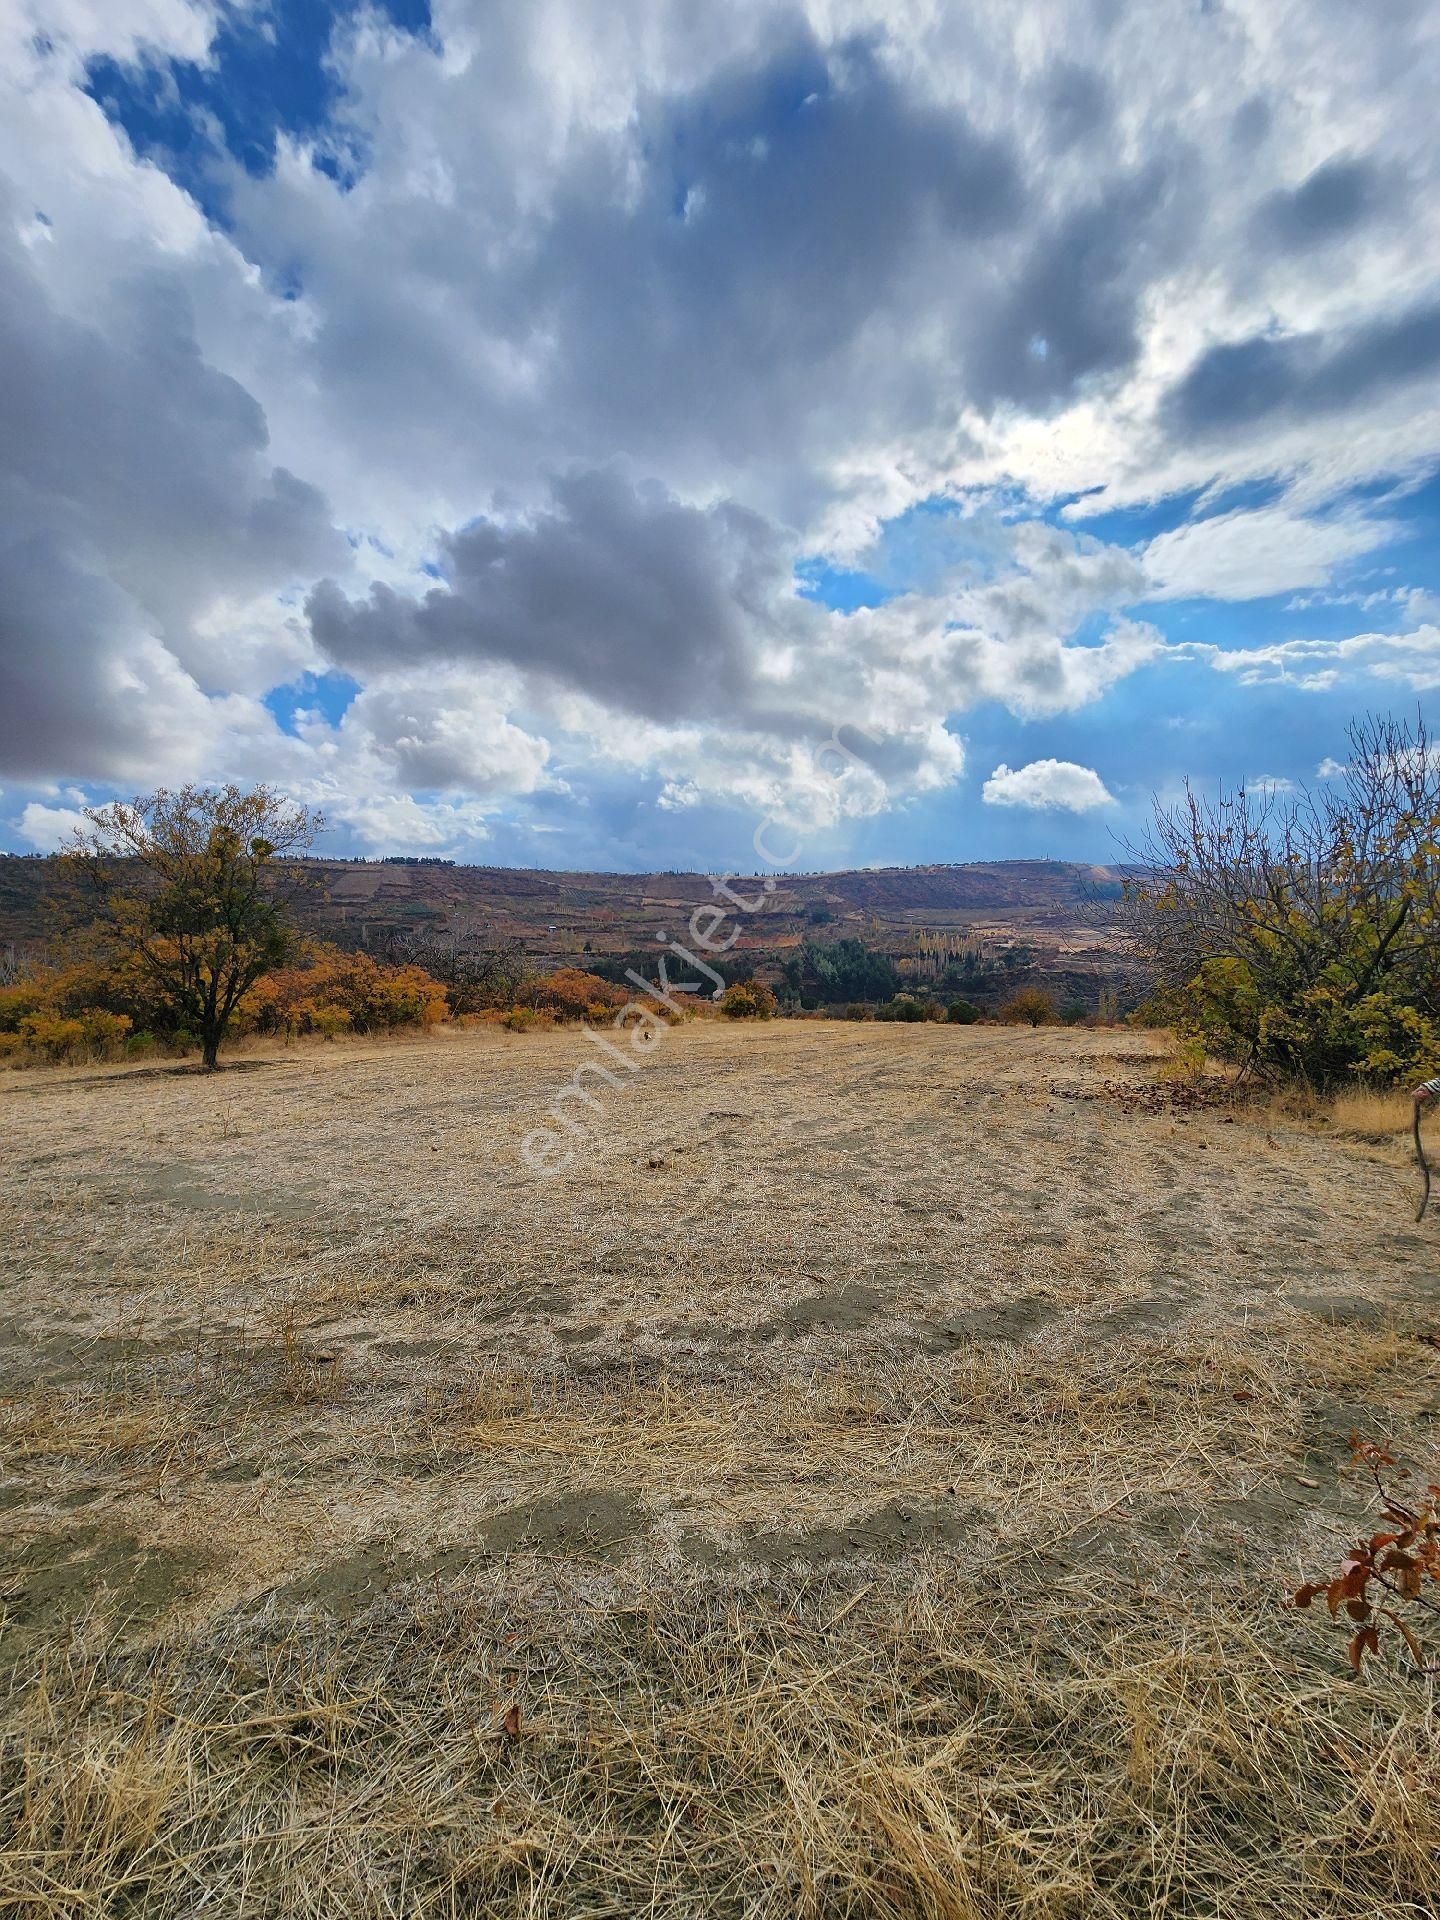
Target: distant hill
[{"x": 1060, "y": 909}]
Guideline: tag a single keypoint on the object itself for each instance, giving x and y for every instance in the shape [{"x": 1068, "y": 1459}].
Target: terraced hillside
[{"x": 1062, "y": 911}]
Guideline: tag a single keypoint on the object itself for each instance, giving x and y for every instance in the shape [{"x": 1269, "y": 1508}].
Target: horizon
[
  {"x": 628, "y": 873},
  {"x": 537, "y": 441}
]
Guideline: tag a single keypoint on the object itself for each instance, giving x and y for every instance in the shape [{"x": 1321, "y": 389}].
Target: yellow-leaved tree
[
  {"x": 188, "y": 893},
  {"x": 1298, "y": 932}
]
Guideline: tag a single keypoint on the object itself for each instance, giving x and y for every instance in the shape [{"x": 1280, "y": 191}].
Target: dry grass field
[{"x": 867, "y": 1482}]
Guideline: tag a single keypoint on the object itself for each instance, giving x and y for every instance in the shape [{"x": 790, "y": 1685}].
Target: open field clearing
[{"x": 867, "y": 1481}]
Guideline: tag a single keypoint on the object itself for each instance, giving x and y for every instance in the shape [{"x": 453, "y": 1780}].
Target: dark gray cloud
[
  {"x": 1237, "y": 385},
  {"x": 784, "y": 211},
  {"x": 1250, "y": 125},
  {"x": 1077, "y": 104},
  {"x": 1071, "y": 310},
  {"x": 58, "y": 621},
  {"x": 797, "y": 251},
  {"x": 127, "y": 441},
  {"x": 1334, "y": 201},
  {"x": 619, "y": 592},
  {"x": 135, "y": 490}
]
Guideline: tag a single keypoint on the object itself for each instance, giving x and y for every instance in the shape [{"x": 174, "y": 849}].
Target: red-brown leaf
[
  {"x": 1367, "y": 1640},
  {"x": 1417, "y": 1652}
]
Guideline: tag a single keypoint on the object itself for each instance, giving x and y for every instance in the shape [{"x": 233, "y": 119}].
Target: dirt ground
[{"x": 866, "y": 1480}]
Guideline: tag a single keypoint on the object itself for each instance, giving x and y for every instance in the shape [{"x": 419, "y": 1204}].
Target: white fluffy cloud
[
  {"x": 450, "y": 734},
  {"x": 1248, "y": 555},
  {"x": 1051, "y": 785},
  {"x": 48, "y": 828},
  {"x": 1402, "y": 659},
  {"x": 1269, "y": 784}
]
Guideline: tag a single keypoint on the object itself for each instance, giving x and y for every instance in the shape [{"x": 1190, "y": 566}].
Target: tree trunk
[{"x": 210, "y": 1051}]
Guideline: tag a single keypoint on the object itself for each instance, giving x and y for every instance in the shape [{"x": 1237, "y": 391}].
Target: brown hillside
[{"x": 1060, "y": 912}]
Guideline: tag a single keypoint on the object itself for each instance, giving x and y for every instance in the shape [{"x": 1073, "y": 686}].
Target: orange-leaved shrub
[
  {"x": 336, "y": 992},
  {"x": 524, "y": 1019},
  {"x": 61, "y": 1014},
  {"x": 572, "y": 995},
  {"x": 96, "y": 1010},
  {"x": 92, "y": 1034}
]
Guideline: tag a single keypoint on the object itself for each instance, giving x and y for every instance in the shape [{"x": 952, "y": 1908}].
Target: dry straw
[{"x": 869, "y": 1485}]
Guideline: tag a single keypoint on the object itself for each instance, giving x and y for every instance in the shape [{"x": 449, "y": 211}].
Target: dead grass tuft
[
  {"x": 920, "y": 1748},
  {"x": 85, "y": 1423},
  {"x": 1367, "y": 1113}
]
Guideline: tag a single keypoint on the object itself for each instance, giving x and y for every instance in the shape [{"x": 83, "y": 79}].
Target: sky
[{"x": 535, "y": 432}]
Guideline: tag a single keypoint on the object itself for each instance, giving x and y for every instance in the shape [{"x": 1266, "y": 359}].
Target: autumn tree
[
  {"x": 1299, "y": 933},
  {"x": 749, "y": 1000},
  {"x": 1030, "y": 1007},
  {"x": 189, "y": 895}
]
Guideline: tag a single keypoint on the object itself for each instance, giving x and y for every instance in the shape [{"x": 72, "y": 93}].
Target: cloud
[
  {"x": 123, "y": 29},
  {"x": 449, "y": 733},
  {"x": 1038, "y": 675},
  {"x": 1054, "y": 785},
  {"x": 675, "y": 638},
  {"x": 1411, "y": 660},
  {"x": 669, "y": 267},
  {"x": 624, "y": 594},
  {"x": 48, "y": 828},
  {"x": 676, "y": 795},
  {"x": 1269, "y": 783},
  {"x": 1078, "y": 104},
  {"x": 1238, "y": 386},
  {"x": 1072, "y": 312},
  {"x": 624, "y": 270},
  {"x": 784, "y": 259},
  {"x": 138, "y": 501},
  {"x": 1247, "y": 555},
  {"x": 398, "y": 822},
  {"x": 1334, "y": 200}
]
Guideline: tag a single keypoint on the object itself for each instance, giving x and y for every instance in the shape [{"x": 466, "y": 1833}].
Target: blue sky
[{"x": 530, "y": 434}]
